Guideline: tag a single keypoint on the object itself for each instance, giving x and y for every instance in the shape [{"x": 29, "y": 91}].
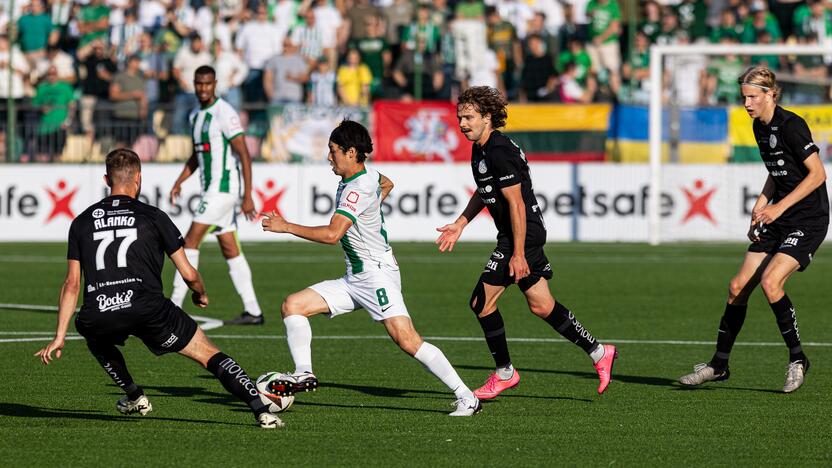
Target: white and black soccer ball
[{"x": 275, "y": 403}]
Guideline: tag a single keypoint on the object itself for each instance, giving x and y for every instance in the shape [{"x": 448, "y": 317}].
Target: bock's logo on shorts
[
  {"x": 352, "y": 197},
  {"x": 115, "y": 302},
  {"x": 498, "y": 255},
  {"x": 97, "y": 213},
  {"x": 173, "y": 339}
]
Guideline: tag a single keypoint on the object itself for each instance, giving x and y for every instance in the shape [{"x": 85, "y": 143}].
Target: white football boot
[{"x": 140, "y": 405}]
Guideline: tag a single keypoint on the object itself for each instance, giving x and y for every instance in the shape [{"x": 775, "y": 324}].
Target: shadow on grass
[
  {"x": 364, "y": 407},
  {"x": 387, "y": 391},
  {"x": 27, "y": 411},
  {"x": 717, "y": 386},
  {"x": 634, "y": 379}
]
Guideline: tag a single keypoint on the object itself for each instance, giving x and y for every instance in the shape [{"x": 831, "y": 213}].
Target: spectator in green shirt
[
  {"x": 604, "y": 31},
  {"x": 721, "y": 82},
  {"x": 760, "y": 20},
  {"x": 375, "y": 53},
  {"x": 53, "y": 98},
  {"x": 814, "y": 18},
  {"x": 652, "y": 23},
  {"x": 93, "y": 22},
  {"x": 577, "y": 54},
  {"x": 35, "y": 32},
  {"x": 728, "y": 27},
  {"x": 422, "y": 28}
]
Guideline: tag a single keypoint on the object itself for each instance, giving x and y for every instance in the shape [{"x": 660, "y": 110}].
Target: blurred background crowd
[{"x": 66, "y": 65}]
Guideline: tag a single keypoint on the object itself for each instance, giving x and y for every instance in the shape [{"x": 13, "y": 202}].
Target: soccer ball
[{"x": 275, "y": 403}]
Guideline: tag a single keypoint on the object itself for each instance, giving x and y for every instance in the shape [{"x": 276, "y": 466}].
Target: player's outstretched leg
[
  {"x": 180, "y": 289},
  {"x": 484, "y": 305},
  {"x": 603, "y": 355},
  {"x": 400, "y": 329},
  {"x": 113, "y": 363},
  {"x": 296, "y": 310},
  {"x": 232, "y": 376}
]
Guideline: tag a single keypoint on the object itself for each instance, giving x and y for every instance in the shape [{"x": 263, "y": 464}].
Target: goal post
[{"x": 657, "y": 55}]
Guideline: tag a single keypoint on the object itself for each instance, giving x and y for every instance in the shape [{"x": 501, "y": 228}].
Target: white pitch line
[{"x": 47, "y": 336}]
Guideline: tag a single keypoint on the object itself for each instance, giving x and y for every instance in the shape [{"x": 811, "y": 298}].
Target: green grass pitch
[{"x": 378, "y": 407}]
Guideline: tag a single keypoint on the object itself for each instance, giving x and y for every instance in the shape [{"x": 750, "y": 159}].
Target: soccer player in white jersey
[
  {"x": 218, "y": 135},
  {"x": 372, "y": 280}
]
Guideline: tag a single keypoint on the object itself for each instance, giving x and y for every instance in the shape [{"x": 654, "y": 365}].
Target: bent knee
[
  {"x": 292, "y": 305},
  {"x": 771, "y": 286},
  {"x": 540, "y": 310}
]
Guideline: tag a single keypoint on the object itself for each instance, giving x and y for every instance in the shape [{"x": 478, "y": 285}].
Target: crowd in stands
[{"x": 130, "y": 63}]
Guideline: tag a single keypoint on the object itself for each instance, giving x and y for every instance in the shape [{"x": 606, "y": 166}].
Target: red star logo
[
  {"x": 471, "y": 193},
  {"x": 270, "y": 199},
  {"x": 61, "y": 200},
  {"x": 698, "y": 199}
]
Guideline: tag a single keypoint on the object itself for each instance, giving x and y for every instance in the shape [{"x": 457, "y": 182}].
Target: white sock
[
  {"x": 241, "y": 277},
  {"x": 180, "y": 289},
  {"x": 597, "y": 354},
  {"x": 505, "y": 373},
  {"x": 437, "y": 364},
  {"x": 299, "y": 337}
]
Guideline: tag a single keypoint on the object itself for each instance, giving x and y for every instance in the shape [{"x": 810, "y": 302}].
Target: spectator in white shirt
[
  {"x": 231, "y": 72},
  {"x": 151, "y": 13},
  {"x": 257, "y": 41},
  {"x": 187, "y": 60}
]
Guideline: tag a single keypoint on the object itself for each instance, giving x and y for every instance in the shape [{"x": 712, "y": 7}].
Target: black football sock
[
  {"x": 787, "y": 322},
  {"x": 565, "y": 323},
  {"x": 495, "y": 335},
  {"x": 234, "y": 378},
  {"x": 729, "y": 327},
  {"x": 114, "y": 365}
]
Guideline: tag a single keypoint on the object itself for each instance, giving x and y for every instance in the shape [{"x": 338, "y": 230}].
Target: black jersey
[
  {"x": 121, "y": 244},
  {"x": 500, "y": 164},
  {"x": 784, "y": 144}
]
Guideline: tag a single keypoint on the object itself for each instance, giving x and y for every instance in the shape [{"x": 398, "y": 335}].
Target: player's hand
[
  {"x": 174, "y": 193},
  {"x": 45, "y": 354},
  {"x": 449, "y": 235},
  {"x": 274, "y": 222},
  {"x": 199, "y": 299},
  {"x": 768, "y": 214},
  {"x": 248, "y": 209},
  {"x": 518, "y": 267}
]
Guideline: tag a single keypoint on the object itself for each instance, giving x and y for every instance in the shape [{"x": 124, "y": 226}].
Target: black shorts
[
  {"x": 165, "y": 329},
  {"x": 496, "y": 271},
  {"x": 800, "y": 243}
]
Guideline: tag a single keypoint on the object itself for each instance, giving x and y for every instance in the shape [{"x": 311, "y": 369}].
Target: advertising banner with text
[{"x": 586, "y": 202}]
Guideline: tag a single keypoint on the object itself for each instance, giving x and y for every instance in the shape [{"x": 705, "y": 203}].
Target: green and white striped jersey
[
  {"x": 212, "y": 130},
  {"x": 365, "y": 243}
]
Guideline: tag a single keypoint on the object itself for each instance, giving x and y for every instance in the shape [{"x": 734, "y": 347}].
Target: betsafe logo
[
  {"x": 28, "y": 204},
  {"x": 270, "y": 198}
]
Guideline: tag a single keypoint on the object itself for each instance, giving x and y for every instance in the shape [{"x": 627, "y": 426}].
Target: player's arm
[
  {"x": 191, "y": 276},
  {"x": 386, "y": 186},
  {"x": 517, "y": 265},
  {"x": 66, "y": 309},
  {"x": 814, "y": 179},
  {"x": 450, "y": 233},
  {"x": 330, "y": 234},
  {"x": 190, "y": 167},
  {"x": 238, "y": 143}
]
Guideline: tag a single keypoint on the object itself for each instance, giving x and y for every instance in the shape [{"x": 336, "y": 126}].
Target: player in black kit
[
  {"x": 504, "y": 186},
  {"x": 119, "y": 244},
  {"x": 788, "y": 223}
]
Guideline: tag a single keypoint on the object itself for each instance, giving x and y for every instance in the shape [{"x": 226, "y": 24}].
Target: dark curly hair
[
  {"x": 351, "y": 134},
  {"x": 487, "y": 101}
]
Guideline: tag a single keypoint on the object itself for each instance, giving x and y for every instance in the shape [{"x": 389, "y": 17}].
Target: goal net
[{"x": 717, "y": 184}]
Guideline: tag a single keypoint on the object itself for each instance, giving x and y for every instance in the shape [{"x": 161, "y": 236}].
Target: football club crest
[
  {"x": 482, "y": 167},
  {"x": 772, "y": 141}
]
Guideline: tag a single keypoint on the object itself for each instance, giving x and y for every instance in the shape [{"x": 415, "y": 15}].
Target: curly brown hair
[{"x": 487, "y": 101}]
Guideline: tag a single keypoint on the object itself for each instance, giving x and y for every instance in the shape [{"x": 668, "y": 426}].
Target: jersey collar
[
  {"x": 355, "y": 176},
  {"x": 210, "y": 105}
]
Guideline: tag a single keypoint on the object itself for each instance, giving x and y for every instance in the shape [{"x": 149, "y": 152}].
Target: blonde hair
[{"x": 760, "y": 77}]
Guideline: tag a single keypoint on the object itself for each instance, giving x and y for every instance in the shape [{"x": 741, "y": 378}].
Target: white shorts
[
  {"x": 218, "y": 210},
  {"x": 377, "y": 291}
]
